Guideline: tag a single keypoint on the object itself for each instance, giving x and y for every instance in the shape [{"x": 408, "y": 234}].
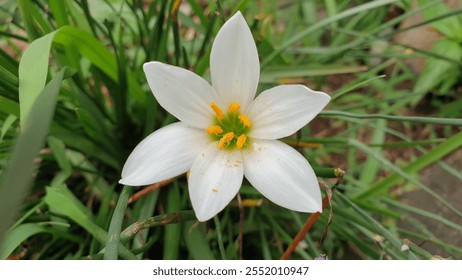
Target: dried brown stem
[
  {"x": 313, "y": 218},
  {"x": 148, "y": 189}
]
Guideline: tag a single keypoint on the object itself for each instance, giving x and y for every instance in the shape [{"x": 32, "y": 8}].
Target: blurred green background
[{"x": 74, "y": 102}]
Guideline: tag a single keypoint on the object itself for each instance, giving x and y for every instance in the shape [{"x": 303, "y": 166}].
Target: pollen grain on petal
[
  {"x": 245, "y": 120},
  {"x": 234, "y": 107},
  {"x": 225, "y": 140},
  {"x": 217, "y": 110},
  {"x": 214, "y": 129},
  {"x": 241, "y": 141}
]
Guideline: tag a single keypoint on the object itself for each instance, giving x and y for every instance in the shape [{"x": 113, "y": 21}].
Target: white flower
[{"x": 225, "y": 134}]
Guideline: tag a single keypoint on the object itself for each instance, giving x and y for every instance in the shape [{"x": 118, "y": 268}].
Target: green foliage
[
  {"x": 74, "y": 102},
  {"x": 440, "y": 73}
]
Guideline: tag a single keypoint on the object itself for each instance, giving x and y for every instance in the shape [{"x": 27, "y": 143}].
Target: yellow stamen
[
  {"x": 245, "y": 120},
  {"x": 214, "y": 129},
  {"x": 217, "y": 110},
  {"x": 225, "y": 139},
  {"x": 234, "y": 107},
  {"x": 241, "y": 141}
]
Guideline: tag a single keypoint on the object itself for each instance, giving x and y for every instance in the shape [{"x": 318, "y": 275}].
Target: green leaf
[
  {"x": 33, "y": 70},
  {"x": 277, "y": 74},
  {"x": 59, "y": 152},
  {"x": 436, "y": 70},
  {"x": 19, "y": 172},
  {"x": 321, "y": 24},
  {"x": 428, "y": 158},
  {"x": 16, "y": 236},
  {"x": 64, "y": 201},
  {"x": 8, "y": 106},
  {"x": 427, "y": 120},
  {"x": 372, "y": 166},
  {"x": 9, "y": 121},
  {"x": 112, "y": 245},
  {"x": 196, "y": 241},
  {"x": 172, "y": 232},
  {"x": 450, "y": 26},
  {"x": 58, "y": 7}
]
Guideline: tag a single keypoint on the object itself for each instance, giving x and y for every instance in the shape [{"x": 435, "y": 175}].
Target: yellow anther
[
  {"x": 234, "y": 107},
  {"x": 217, "y": 110},
  {"x": 245, "y": 120},
  {"x": 214, "y": 129},
  {"x": 225, "y": 139},
  {"x": 241, "y": 141}
]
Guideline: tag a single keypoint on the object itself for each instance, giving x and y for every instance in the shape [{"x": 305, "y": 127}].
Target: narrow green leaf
[
  {"x": 91, "y": 48},
  {"x": 59, "y": 152},
  {"x": 378, "y": 227},
  {"x": 16, "y": 236},
  {"x": 450, "y": 26},
  {"x": 19, "y": 173},
  {"x": 26, "y": 10},
  {"x": 58, "y": 7},
  {"x": 9, "y": 121},
  {"x": 278, "y": 74},
  {"x": 372, "y": 166},
  {"x": 62, "y": 200},
  {"x": 172, "y": 232},
  {"x": 427, "y": 120},
  {"x": 9, "y": 107},
  {"x": 426, "y": 159},
  {"x": 322, "y": 23},
  {"x": 424, "y": 213},
  {"x": 196, "y": 241},
  {"x": 8, "y": 77},
  {"x": 112, "y": 244},
  {"x": 33, "y": 70},
  {"x": 436, "y": 71}
]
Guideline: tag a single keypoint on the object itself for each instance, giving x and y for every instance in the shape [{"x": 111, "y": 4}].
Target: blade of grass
[
  {"x": 221, "y": 245},
  {"x": 9, "y": 107},
  {"x": 386, "y": 163},
  {"x": 196, "y": 241},
  {"x": 20, "y": 170},
  {"x": 112, "y": 243},
  {"x": 21, "y": 233},
  {"x": 372, "y": 166},
  {"x": 172, "y": 233},
  {"x": 61, "y": 199},
  {"x": 427, "y": 120},
  {"x": 33, "y": 70},
  {"x": 426, "y": 159},
  {"x": 379, "y": 228},
  {"x": 323, "y": 23}
]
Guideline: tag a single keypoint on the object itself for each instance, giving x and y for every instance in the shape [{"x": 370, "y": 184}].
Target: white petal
[
  {"x": 282, "y": 175},
  {"x": 234, "y": 64},
  {"x": 182, "y": 93},
  {"x": 165, "y": 153},
  {"x": 215, "y": 178},
  {"x": 282, "y": 110}
]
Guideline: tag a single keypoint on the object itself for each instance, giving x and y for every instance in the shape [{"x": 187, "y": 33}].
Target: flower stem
[{"x": 160, "y": 220}]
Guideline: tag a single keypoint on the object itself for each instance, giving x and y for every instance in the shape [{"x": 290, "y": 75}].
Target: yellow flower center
[{"x": 230, "y": 129}]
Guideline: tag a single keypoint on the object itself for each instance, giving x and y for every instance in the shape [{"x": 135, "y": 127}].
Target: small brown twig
[
  {"x": 329, "y": 195},
  {"x": 148, "y": 189},
  {"x": 313, "y": 218}
]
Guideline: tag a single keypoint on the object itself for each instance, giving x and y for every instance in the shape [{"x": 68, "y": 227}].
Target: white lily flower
[{"x": 220, "y": 146}]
